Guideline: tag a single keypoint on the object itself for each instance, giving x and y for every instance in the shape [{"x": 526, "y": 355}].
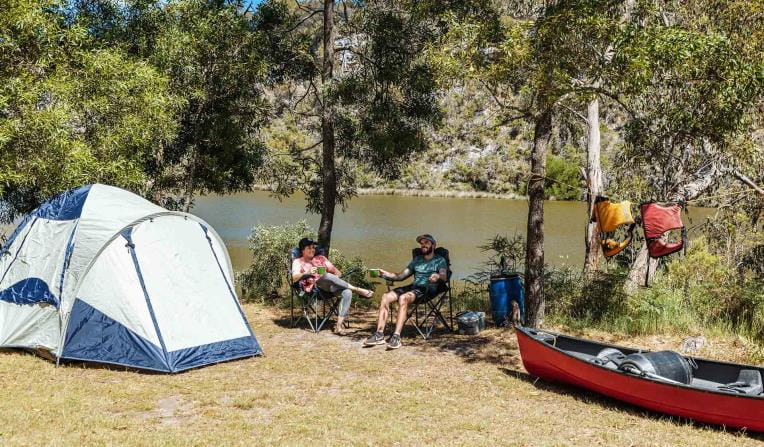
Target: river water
[{"x": 381, "y": 229}]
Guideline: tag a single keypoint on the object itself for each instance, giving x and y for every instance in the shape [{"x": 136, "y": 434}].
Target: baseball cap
[
  {"x": 305, "y": 242},
  {"x": 427, "y": 237}
]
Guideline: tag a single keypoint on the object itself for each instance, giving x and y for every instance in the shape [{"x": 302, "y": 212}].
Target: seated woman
[{"x": 308, "y": 263}]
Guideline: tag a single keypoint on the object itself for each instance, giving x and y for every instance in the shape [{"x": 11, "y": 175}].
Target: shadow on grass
[
  {"x": 94, "y": 365},
  {"x": 499, "y": 347},
  {"x": 609, "y": 403}
]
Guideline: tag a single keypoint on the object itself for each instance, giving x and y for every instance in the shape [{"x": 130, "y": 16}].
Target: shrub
[
  {"x": 566, "y": 178},
  {"x": 265, "y": 278}
]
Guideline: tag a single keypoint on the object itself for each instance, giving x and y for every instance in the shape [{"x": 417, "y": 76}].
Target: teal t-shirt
[{"x": 423, "y": 268}]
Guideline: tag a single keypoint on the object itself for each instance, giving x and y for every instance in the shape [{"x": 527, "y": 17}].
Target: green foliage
[
  {"x": 697, "y": 293},
  {"x": 564, "y": 178},
  {"x": 217, "y": 60},
  {"x": 382, "y": 99},
  {"x": 266, "y": 277},
  {"x": 505, "y": 253},
  {"x": 470, "y": 296},
  {"x": 70, "y": 114},
  {"x": 701, "y": 85}
]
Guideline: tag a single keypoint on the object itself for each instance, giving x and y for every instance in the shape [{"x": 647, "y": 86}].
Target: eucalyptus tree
[
  {"x": 71, "y": 112},
  {"x": 365, "y": 99},
  {"x": 692, "y": 125},
  {"x": 217, "y": 57},
  {"x": 543, "y": 60}
]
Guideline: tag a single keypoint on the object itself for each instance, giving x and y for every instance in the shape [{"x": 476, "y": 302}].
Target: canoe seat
[
  {"x": 610, "y": 358},
  {"x": 748, "y": 382},
  {"x": 581, "y": 355},
  {"x": 705, "y": 384}
]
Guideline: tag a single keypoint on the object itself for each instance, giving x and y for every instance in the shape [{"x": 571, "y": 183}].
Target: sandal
[{"x": 365, "y": 293}]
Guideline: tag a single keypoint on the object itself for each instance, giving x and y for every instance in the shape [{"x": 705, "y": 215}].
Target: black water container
[{"x": 667, "y": 364}]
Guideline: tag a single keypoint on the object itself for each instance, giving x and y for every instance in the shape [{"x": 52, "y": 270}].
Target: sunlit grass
[{"x": 321, "y": 389}]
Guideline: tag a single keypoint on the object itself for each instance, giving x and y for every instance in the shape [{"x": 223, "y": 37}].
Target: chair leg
[
  {"x": 450, "y": 312},
  {"x": 291, "y": 309},
  {"x": 333, "y": 310}
]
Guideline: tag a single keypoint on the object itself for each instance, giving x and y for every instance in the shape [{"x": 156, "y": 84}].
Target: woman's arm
[{"x": 297, "y": 271}]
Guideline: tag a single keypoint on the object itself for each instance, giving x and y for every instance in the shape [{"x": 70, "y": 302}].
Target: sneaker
[
  {"x": 377, "y": 338},
  {"x": 394, "y": 342}
]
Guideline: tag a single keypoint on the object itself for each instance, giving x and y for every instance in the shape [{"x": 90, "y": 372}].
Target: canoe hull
[{"x": 545, "y": 361}]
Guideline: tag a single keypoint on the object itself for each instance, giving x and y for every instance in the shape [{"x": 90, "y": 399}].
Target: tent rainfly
[{"x": 100, "y": 274}]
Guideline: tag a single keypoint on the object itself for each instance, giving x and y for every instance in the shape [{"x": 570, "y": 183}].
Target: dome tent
[{"x": 100, "y": 274}]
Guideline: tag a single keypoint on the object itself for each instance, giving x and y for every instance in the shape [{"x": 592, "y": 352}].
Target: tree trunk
[
  {"x": 594, "y": 186},
  {"x": 638, "y": 271},
  {"x": 189, "y": 193},
  {"x": 534, "y": 254},
  {"x": 328, "y": 169}
]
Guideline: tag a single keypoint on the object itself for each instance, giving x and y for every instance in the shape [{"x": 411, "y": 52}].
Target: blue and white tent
[{"x": 100, "y": 274}]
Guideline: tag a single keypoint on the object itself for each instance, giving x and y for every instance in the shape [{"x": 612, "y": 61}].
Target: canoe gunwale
[{"x": 529, "y": 333}]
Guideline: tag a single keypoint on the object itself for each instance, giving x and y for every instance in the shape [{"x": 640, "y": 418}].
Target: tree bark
[
  {"x": 189, "y": 193},
  {"x": 534, "y": 254},
  {"x": 638, "y": 270},
  {"x": 594, "y": 186},
  {"x": 328, "y": 168}
]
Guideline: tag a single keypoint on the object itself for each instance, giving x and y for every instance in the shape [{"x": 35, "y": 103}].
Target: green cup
[
  {"x": 320, "y": 270},
  {"x": 374, "y": 273}
]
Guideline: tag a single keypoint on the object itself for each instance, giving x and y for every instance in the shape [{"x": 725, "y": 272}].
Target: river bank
[{"x": 442, "y": 193}]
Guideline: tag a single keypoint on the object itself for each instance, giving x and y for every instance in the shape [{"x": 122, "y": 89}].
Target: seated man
[
  {"x": 305, "y": 270},
  {"x": 428, "y": 269}
]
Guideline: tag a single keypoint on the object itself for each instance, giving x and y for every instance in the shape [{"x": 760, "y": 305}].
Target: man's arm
[
  {"x": 396, "y": 276},
  {"x": 441, "y": 274}
]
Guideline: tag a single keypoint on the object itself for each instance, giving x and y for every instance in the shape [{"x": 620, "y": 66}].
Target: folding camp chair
[
  {"x": 317, "y": 306},
  {"x": 431, "y": 312}
]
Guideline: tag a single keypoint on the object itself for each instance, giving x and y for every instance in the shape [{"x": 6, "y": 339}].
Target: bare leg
[
  {"x": 403, "y": 305},
  {"x": 384, "y": 309}
]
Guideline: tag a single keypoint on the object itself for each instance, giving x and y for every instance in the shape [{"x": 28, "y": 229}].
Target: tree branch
[
  {"x": 303, "y": 20},
  {"x": 575, "y": 112},
  {"x": 743, "y": 178},
  {"x": 295, "y": 151},
  {"x": 494, "y": 95}
]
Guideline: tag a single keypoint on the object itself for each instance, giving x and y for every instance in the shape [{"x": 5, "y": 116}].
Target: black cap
[
  {"x": 427, "y": 237},
  {"x": 305, "y": 242}
]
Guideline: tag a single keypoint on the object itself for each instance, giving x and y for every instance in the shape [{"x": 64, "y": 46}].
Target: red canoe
[{"x": 703, "y": 390}]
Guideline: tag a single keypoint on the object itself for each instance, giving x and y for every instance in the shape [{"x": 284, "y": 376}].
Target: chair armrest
[
  {"x": 349, "y": 272},
  {"x": 302, "y": 278}
]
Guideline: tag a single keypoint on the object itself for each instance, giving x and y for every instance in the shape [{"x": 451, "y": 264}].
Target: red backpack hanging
[{"x": 656, "y": 221}]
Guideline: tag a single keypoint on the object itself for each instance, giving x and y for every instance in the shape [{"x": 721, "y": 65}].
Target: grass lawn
[{"x": 321, "y": 389}]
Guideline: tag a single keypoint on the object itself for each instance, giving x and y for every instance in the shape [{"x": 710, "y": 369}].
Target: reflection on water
[{"x": 381, "y": 229}]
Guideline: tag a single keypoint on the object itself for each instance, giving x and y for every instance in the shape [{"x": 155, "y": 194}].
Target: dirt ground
[{"x": 322, "y": 389}]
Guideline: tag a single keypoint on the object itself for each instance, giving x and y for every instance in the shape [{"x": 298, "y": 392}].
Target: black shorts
[{"x": 421, "y": 294}]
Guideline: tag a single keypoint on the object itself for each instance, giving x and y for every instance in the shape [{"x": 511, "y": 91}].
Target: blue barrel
[{"x": 503, "y": 290}]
